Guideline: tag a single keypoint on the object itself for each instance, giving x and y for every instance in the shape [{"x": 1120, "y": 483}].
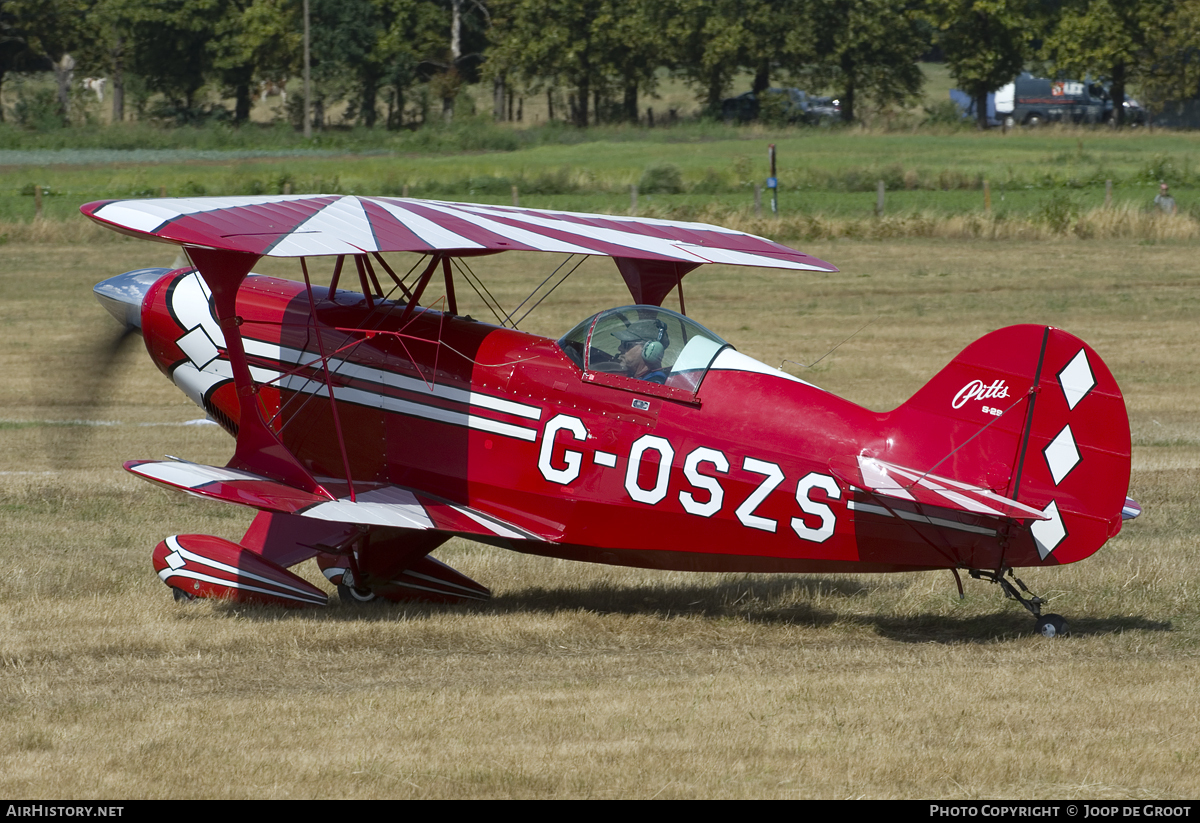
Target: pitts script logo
[{"x": 978, "y": 390}]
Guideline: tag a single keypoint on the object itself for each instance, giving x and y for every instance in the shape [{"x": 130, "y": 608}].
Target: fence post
[
  {"x": 773, "y": 181},
  {"x": 633, "y": 199},
  {"x": 516, "y": 197},
  {"x": 1108, "y": 194},
  {"x": 37, "y": 202},
  {"x": 879, "y": 199},
  {"x": 987, "y": 197}
]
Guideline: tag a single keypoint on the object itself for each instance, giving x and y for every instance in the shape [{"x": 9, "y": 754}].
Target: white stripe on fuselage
[{"x": 366, "y": 374}]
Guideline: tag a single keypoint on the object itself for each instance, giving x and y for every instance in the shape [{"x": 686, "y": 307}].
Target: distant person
[{"x": 1164, "y": 201}]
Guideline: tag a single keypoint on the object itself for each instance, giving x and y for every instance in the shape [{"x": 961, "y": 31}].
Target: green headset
[{"x": 653, "y": 351}]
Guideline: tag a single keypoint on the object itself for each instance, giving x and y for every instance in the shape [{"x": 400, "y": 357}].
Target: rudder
[{"x": 1034, "y": 414}]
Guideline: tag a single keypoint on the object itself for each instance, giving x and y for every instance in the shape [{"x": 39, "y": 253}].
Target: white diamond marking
[
  {"x": 1048, "y": 533},
  {"x": 1076, "y": 379},
  {"x": 1062, "y": 455},
  {"x": 199, "y": 347},
  {"x": 175, "y": 561}
]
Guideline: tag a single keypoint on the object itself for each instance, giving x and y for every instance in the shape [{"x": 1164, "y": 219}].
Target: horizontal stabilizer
[
  {"x": 1131, "y": 509},
  {"x": 924, "y": 489}
]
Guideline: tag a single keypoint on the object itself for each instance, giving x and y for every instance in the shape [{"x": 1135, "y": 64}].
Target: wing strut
[
  {"x": 333, "y": 408},
  {"x": 422, "y": 282},
  {"x": 451, "y": 303},
  {"x": 258, "y": 449},
  {"x": 337, "y": 274},
  {"x": 362, "y": 281},
  {"x": 392, "y": 274}
]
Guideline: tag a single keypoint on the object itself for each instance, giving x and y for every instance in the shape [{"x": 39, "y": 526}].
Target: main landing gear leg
[{"x": 1048, "y": 625}]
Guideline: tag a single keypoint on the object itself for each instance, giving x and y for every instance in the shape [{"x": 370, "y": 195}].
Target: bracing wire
[
  {"x": 476, "y": 283},
  {"x": 831, "y": 351},
  {"x": 549, "y": 277},
  {"x": 561, "y": 280}
]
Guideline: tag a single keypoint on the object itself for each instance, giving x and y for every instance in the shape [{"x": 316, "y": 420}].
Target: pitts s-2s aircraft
[{"x": 370, "y": 429}]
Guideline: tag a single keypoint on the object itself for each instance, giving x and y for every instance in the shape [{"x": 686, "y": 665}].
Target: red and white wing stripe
[
  {"x": 379, "y": 506},
  {"x": 314, "y": 225}
]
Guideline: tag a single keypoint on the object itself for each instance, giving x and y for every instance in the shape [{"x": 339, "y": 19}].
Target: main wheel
[
  {"x": 181, "y": 596},
  {"x": 1052, "y": 625},
  {"x": 358, "y": 598}
]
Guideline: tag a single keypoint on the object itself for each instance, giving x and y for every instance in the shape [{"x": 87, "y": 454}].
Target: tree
[
  {"x": 411, "y": 31},
  {"x": 1172, "y": 68},
  {"x": 53, "y": 29},
  {"x": 1109, "y": 38},
  {"x": 458, "y": 63},
  {"x": 629, "y": 37},
  {"x": 868, "y": 48},
  {"x": 15, "y": 51},
  {"x": 108, "y": 50},
  {"x": 171, "y": 48},
  {"x": 253, "y": 40},
  {"x": 555, "y": 40},
  {"x": 712, "y": 40},
  {"x": 986, "y": 43}
]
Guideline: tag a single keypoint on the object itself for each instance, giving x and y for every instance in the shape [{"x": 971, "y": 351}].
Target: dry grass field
[{"x": 588, "y": 681}]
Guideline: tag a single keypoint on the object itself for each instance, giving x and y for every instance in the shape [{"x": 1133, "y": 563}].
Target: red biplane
[{"x": 371, "y": 428}]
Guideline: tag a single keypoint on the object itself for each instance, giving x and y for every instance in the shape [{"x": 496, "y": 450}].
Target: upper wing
[{"x": 319, "y": 224}]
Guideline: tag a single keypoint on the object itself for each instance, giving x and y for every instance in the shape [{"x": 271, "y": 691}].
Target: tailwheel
[
  {"x": 1052, "y": 625},
  {"x": 181, "y": 596}
]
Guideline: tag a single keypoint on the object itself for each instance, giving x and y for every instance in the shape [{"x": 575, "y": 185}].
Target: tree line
[{"x": 595, "y": 60}]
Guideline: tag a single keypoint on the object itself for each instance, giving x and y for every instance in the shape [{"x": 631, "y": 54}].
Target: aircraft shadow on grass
[
  {"x": 987, "y": 628},
  {"x": 784, "y": 601}
]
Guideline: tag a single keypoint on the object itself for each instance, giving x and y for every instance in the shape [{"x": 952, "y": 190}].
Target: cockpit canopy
[{"x": 677, "y": 351}]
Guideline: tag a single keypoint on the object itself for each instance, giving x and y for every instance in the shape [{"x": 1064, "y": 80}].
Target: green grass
[
  {"x": 819, "y": 172},
  {"x": 832, "y": 172}
]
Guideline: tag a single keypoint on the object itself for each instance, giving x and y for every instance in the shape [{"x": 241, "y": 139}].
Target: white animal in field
[
  {"x": 270, "y": 88},
  {"x": 95, "y": 84}
]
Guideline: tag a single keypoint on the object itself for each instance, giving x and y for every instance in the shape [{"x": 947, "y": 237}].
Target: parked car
[
  {"x": 1135, "y": 115},
  {"x": 796, "y": 106}
]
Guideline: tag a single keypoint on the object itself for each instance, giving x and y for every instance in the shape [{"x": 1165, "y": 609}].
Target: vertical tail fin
[{"x": 1034, "y": 414}]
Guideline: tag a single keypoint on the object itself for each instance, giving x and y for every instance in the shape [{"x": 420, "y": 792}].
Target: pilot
[{"x": 643, "y": 344}]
